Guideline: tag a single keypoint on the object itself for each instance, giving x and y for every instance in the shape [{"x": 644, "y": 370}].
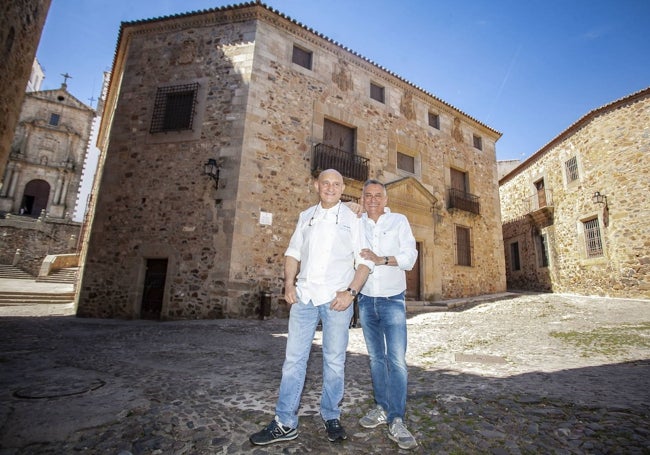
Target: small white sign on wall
[{"x": 266, "y": 218}]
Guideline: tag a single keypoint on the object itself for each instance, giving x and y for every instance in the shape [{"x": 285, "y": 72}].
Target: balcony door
[
  {"x": 541, "y": 193},
  {"x": 338, "y": 136}
]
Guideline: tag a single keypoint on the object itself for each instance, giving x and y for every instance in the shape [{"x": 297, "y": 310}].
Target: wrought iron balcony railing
[
  {"x": 464, "y": 201},
  {"x": 351, "y": 166},
  {"x": 539, "y": 200}
]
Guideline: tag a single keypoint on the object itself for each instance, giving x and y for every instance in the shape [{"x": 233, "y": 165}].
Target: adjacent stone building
[
  {"x": 576, "y": 213},
  {"x": 264, "y": 103}
]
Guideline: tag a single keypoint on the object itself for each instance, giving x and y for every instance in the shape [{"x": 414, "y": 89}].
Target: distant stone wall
[{"x": 35, "y": 240}]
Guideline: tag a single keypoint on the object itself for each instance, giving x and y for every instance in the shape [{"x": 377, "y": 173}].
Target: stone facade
[
  {"x": 21, "y": 24},
  {"x": 261, "y": 114},
  {"x": 47, "y": 155},
  {"x": 566, "y": 237}
]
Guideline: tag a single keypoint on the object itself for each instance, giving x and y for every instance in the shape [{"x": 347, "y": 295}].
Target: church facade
[{"x": 263, "y": 104}]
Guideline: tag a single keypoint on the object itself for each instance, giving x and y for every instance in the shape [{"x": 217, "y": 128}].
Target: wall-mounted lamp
[
  {"x": 598, "y": 198},
  {"x": 211, "y": 168}
]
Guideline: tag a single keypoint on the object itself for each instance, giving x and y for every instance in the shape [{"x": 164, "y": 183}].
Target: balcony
[
  {"x": 539, "y": 208},
  {"x": 350, "y": 166},
  {"x": 462, "y": 200}
]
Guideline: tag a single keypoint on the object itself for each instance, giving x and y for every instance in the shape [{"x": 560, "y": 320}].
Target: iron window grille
[
  {"x": 54, "y": 119},
  {"x": 463, "y": 246},
  {"x": 571, "y": 169},
  {"x": 478, "y": 142},
  {"x": 174, "y": 108},
  {"x": 593, "y": 240}
]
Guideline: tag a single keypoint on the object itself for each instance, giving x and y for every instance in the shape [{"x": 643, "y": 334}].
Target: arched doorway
[{"x": 35, "y": 197}]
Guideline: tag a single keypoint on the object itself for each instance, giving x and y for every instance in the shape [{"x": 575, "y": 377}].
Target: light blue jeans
[
  {"x": 303, "y": 319},
  {"x": 383, "y": 320}
]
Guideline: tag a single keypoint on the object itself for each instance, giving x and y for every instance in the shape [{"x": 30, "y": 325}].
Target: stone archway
[{"x": 35, "y": 197}]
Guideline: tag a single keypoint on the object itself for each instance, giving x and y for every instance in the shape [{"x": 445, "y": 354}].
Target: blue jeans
[
  {"x": 303, "y": 319},
  {"x": 383, "y": 320}
]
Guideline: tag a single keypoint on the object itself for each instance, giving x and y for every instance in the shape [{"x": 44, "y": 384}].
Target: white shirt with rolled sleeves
[
  {"x": 327, "y": 243},
  {"x": 391, "y": 235}
]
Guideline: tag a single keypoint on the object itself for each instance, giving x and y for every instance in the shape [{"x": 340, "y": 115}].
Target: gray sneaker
[
  {"x": 375, "y": 417},
  {"x": 397, "y": 432}
]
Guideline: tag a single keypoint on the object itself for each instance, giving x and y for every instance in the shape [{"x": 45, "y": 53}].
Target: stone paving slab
[{"x": 532, "y": 374}]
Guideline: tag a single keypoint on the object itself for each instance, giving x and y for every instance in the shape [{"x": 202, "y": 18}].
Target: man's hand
[
  {"x": 342, "y": 301},
  {"x": 290, "y": 295},
  {"x": 356, "y": 208}
]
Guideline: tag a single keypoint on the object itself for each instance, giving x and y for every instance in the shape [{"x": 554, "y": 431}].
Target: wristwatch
[
  {"x": 352, "y": 292},
  {"x": 385, "y": 260}
]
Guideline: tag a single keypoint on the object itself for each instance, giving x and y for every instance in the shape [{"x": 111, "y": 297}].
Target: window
[
  {"x": 174, "y": 108},
  {"x": 478, "y": 142},
  {"x": 515, "y": 263},
  {"x": 54, "y": 119},
  {"x": 571, "y": 166},
  {"x": 301, "y": 57},
  {"x": 377, "y": 92},
  {"x": 593, "y": 240},
  {"x": 463, "y": 247},
  {"x": 405, "y": 163},
  {"x": 434, "y": 120},
  {"x": 542, "y": 251}
]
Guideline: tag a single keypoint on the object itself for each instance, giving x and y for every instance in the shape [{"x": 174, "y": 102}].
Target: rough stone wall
[
  {"x": 21, "y": 24},
  {"x": 53, "y": 153},
  {"x": 261, "y": 116},
  {"x": 35, "y": 239},
  {"x": 611, "y": 147}
]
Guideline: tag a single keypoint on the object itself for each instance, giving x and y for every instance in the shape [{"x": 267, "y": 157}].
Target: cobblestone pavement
[{"x": 551, "y": 374}]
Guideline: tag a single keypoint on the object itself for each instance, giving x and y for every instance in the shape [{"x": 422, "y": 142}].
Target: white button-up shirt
[
  {"x": 327, "y": 243},
  {"x": 391, "y": 235}
]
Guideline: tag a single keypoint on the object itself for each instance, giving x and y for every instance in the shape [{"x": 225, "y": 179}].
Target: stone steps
[
  {"x": 13, "y": 273},
  {"x": 67, "y": 275},
  {"x": 11, "y": 298}
]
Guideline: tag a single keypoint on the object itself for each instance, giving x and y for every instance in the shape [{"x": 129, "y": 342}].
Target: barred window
[
  {"x": 515, "y": 263},
  {"x": 377, "y": 92},
  {"x": 593, "y": 240},
  {"x": 463, "y": 246},
  {"x": 434, "y": 120},
  {"x": 571, "y": 166},
  {"x": 174, "y": 108},
  {"x": 54, "y": 119},
  {"x": 301, "y": 57}
]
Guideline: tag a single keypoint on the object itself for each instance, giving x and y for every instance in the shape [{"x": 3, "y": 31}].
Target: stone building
[
  {"x": 267, "y": 103},
  {"x": 42, "y": 179},
  {"x": 47, "y": 155},
  {"x": 21, "y": 25},
  {"x": 576, "y": 213}
]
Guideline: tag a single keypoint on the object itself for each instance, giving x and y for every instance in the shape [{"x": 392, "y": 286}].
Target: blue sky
[{"x": 528, "y": 69}]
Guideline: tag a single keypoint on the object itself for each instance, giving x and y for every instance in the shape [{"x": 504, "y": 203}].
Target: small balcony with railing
[
  {"x": 462, "y": 200},
  {"x": 350, "y": 166},
  {"x": 539, "y": 208}
]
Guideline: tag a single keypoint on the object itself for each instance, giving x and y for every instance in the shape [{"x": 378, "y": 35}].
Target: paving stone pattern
[{"x": 552, "y": 374}]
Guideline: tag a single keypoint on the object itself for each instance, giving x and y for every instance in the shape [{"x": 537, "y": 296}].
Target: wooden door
[
  {"x": 413, "y": 278},
  {"x": 154, "y": 289}
]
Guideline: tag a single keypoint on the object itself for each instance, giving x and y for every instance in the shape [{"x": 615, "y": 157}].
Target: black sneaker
[
  {"x": 274, "y": 432},
  {"x": 335, "y": 431}
]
